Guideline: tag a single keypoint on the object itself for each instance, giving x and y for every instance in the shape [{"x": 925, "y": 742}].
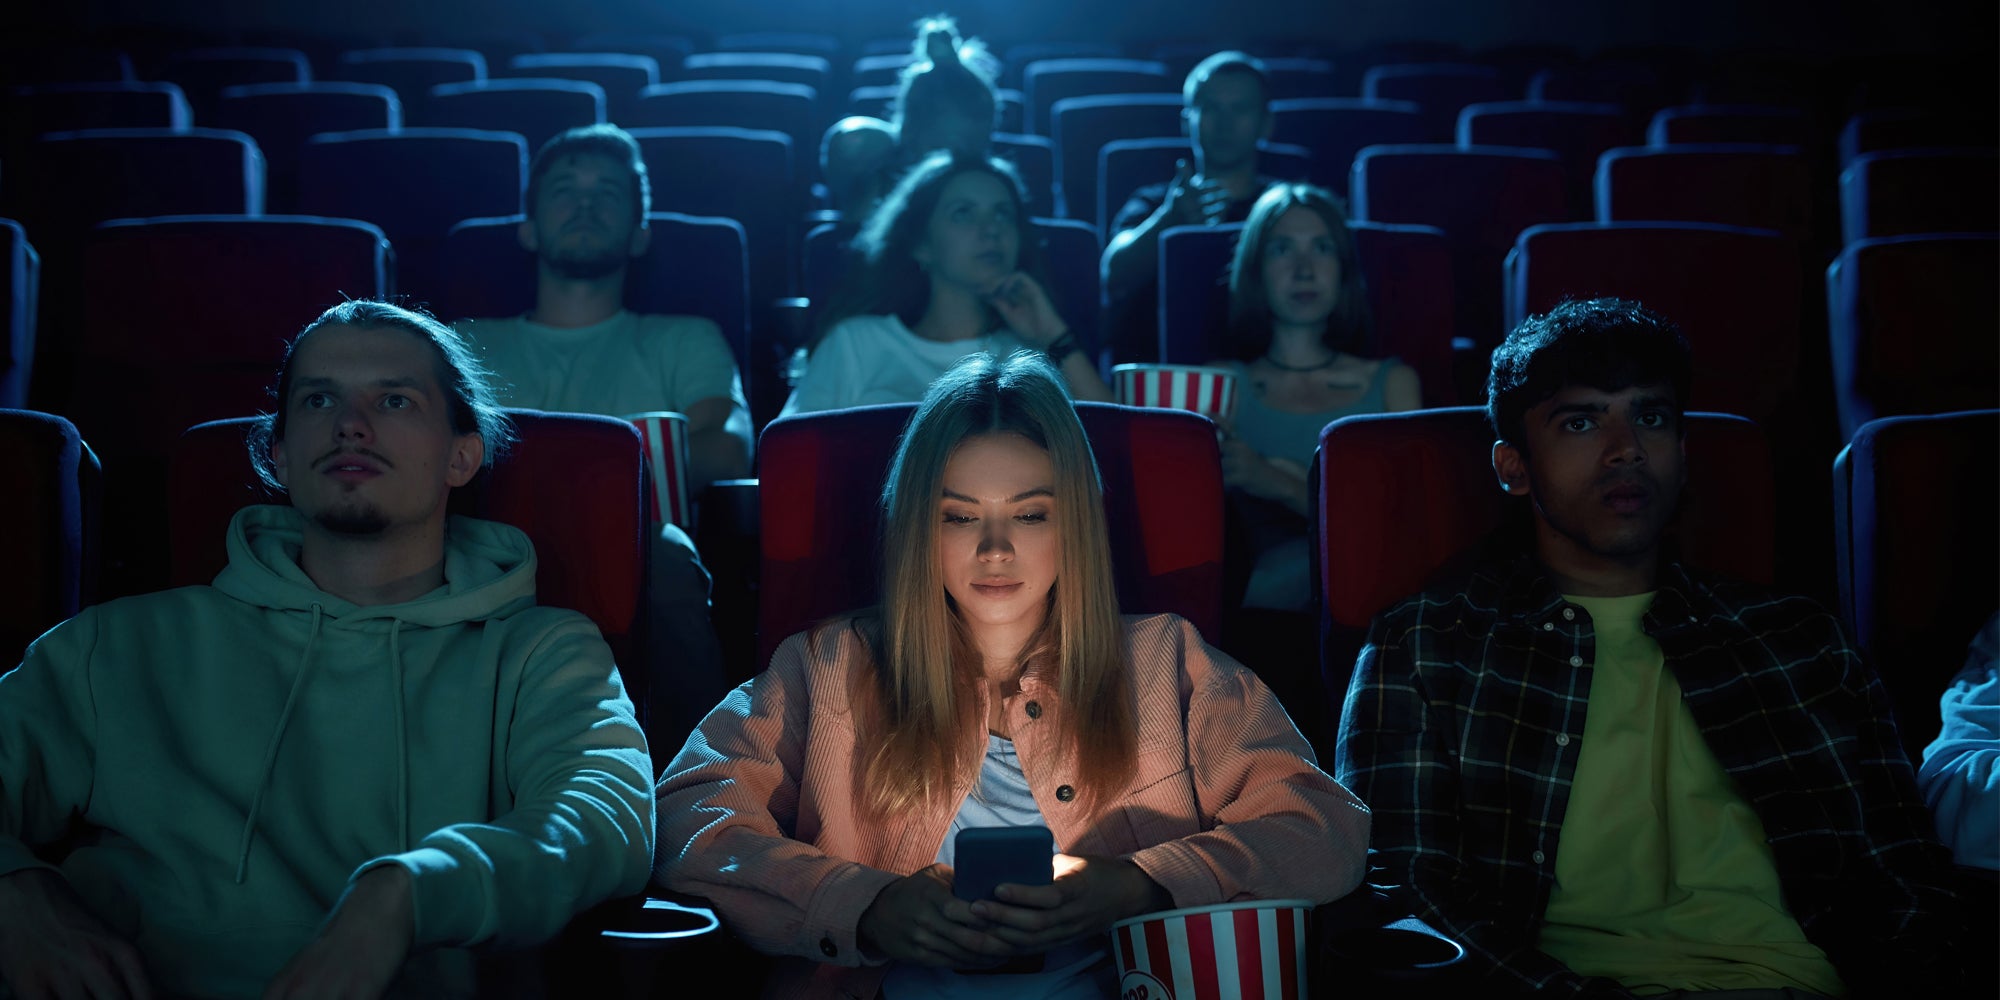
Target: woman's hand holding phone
[
  {"x": 917, "y": 919},
  {"x": 1089, "y": 894}
]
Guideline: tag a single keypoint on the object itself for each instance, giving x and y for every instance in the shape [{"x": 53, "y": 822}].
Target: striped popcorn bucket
[
  {"x": 1234, "y": 951},
  {"x": 666, "y": 437},
  {"x": 1210, "y": 392}
]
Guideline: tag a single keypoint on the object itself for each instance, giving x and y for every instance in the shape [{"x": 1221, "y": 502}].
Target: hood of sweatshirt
[{"x": 489, "y": 571}]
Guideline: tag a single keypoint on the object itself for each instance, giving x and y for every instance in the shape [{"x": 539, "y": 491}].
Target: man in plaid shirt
[{"x": 1608, "y": 775}]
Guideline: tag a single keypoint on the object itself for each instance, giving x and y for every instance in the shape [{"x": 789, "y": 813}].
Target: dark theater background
[{"x": 1811, "y": 189}]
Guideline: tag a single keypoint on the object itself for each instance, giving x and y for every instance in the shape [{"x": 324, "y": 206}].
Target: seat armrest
[{"x": 1364, "y": 937}]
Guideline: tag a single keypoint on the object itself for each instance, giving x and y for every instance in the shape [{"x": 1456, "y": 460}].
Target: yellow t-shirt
[{"x": 1664, "y": 880}]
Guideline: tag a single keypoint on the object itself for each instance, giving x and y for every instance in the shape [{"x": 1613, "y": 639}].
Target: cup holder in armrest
[
  {"x": 1406, "y": 950},
  {"x": 658, "y": 922}
]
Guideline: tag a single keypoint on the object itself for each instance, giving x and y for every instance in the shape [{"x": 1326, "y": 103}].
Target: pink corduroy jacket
[{"x": 758, "y": 812}]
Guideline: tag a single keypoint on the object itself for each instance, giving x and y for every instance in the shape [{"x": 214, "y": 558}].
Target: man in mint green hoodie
[{"x": 360, "y": 753}]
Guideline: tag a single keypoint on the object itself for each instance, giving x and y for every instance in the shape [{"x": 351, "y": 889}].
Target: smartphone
[
  {"x": 983, "y": 857},
  {"x": 986, "y": 856}
]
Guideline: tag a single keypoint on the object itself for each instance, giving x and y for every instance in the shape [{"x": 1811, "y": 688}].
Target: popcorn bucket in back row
[
  {"x": 666, "y": 437},
  {"x": 1210, "y": 392},
  {"x": 1234, "y": 951}
]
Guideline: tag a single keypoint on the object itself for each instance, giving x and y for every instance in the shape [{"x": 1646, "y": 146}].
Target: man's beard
[
  {"x": 359, "y": 522},
  {"x": 586, "y": 267}
]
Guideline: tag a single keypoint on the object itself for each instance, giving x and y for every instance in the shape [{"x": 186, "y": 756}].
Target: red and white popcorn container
[
  {"x": 666, "y": 437},
  {"x": 1234, "y": 951},
  {"x": 1210, "y": 392}
]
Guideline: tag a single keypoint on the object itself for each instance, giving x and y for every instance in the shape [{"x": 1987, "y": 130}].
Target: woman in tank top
[{"x": 1298, "y": 330}]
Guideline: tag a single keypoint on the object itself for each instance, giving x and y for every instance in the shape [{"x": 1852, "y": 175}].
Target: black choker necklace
[{"x": 1283, "y": 367}]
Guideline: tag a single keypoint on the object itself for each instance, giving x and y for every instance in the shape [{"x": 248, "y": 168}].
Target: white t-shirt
[
  {"x": 626, "y": 364},
  {"x": 876, "y": 359}
]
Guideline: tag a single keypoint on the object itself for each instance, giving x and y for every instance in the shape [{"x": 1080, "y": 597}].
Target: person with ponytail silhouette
[{"x": 947, "y": 100}]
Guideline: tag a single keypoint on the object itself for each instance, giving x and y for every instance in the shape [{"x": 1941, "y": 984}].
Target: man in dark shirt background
[{"x": 1227, "y": 114}]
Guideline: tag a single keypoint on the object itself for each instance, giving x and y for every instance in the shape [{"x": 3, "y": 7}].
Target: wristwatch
[{"x": 1060, "y": 348}]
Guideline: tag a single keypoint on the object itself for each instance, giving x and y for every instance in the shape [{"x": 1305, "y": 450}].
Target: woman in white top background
[{"x": 951, "y": 265}]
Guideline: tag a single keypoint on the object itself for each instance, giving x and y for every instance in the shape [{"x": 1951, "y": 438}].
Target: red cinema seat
[
  {"x": 20, "y": 295},
  {"x": 1913, "y": 128},
  {"x": 884, "y": 70},
  {"x": 373, "y": 175},
  {"x": 410, "y": 71},
  {"x": 779, "y": 67},
  {"x": 736, "y": 173},
  {"x": 68, "y": 107},
  {"x": 1630, "y": 85},
  {"x": 131, "y": 173},
  {"x": 204, "y": 73},
  {"x": 784, "y": 42},
  {"x": 1441, "y": 90},
  {"x": 1081, "y": 126},
  {"x": 282, "y": 116},
  {"x": 206, "y": 306},
  {"x": 1034, "y": 158},
  {"x": 1300, "y": 78},
  {"x": 1700, "y": 123},
  {"x": 1482, "y": 198},
  {"x": 1401, "y": 495},
  {"x": 789, "y": 109},
  {"x": 1333, "y": 129},
  {"x": 620, "y": 75},
  {"x": 1911, "y": 322},
  {"x": 1762, "y": 187},
  {"x": 1734, "y": 292},
  {"x": 1907, "y": 191},
  {"x": 1015, "y": 59},
  {"x": 1916, "y": 524},
  {"x": 535, "y": 109},
  {"x": 48, "y": 527},
  {"x": 1577, "y": 133},
  {"x": 1046, "y": 81}
]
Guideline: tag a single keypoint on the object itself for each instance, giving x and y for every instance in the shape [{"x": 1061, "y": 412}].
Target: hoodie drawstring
[
  {"x": 402, "y": 739},
  {"x": 271, "y": 752}
]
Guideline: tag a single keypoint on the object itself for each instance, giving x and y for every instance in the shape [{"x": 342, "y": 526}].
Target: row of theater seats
[
  {"x": 1909, "y": 321},
  {"x": 1064, "y": 168},
  {"x": 1398, "y": 495},
  {"x": 1479, "y": 198},
  {"x": 1034, "y": 78},
  {"x": 1458, "y": 242}
]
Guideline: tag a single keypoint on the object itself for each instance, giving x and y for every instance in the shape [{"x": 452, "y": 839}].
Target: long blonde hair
[{"x": 920, "y": 728}]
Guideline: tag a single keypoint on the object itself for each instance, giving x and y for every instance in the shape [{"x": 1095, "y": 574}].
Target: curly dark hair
[{"x": 1606, "y": 344}]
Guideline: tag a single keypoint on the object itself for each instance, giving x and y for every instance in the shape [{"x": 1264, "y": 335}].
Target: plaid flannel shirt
[{"x": 1464, "y": 720}]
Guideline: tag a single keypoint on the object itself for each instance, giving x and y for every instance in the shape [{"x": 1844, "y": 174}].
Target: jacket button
[
  {"x": 1576, "y": 661},
  {"x": 1539, "y": 857},
  {"x": 1562, "y": 739},
  {"x": 827, "y": 947},
  {"x": 1034, "y": 710},
  {"x": 1569, "y": 614},
  {"x": 1065, "y": 793}
]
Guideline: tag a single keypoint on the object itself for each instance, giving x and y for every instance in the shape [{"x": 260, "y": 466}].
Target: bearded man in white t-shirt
[{"x": 579, "y": 350}]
